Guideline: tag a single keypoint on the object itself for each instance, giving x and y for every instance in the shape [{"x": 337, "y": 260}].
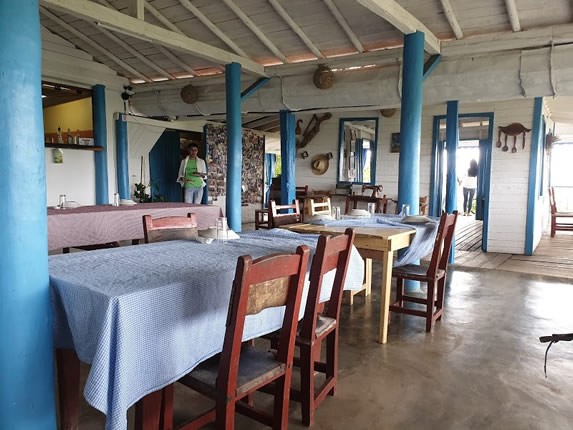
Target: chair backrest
[
  {"x": 443, "y": 243},
  {"x": 331, "y": 253},
  {"x": 352, "y": 203},
  {"x": 271, "y": 281},
  {"x": 281, "y": 215},
  {"x": 376, "y": 190},
  {"x": 169, "y": 228},
  {"x": 552, "y": 203},
  {"x": 318, "y": 206},
  {"x": 301, "y": 192}
]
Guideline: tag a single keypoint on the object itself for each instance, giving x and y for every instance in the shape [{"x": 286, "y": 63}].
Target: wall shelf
[{"x": 73, "y": 146}]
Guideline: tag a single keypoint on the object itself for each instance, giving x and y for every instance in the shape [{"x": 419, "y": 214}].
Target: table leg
[
  {"x": 385, "y": 295},
  {"x": 152, "y": 410},
  {"x": 68, "y": 368},
  {"x": 368, "y": 276}
]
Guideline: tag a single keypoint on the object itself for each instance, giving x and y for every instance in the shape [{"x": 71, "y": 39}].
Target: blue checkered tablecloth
[{"x": 143, "y": 316}]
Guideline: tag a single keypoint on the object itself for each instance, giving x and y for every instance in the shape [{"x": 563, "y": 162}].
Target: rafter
[
  {"x": 133, "y": 51},
  {"x": 214, "y": 29},
  {"x": 296, "y": 28},
  {"x": 403, "y": 21},
  {"x": 344, "y": 24},
  {"x": 513, "y": 15},
  {"x": 136, "y": 9},
  {"x": 91, "y": 11},
  {"x": 452, "y": 18},
  {"x": 256, "y": 30},
  {"x": 93, "y": 44},
  {"x": 166, "y": 53}
]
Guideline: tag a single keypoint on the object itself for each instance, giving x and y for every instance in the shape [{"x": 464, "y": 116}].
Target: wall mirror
[{"x": 357, "y": 150}]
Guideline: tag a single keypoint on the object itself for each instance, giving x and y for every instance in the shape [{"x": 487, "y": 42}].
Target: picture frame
[{"x": 395, "y": 142}]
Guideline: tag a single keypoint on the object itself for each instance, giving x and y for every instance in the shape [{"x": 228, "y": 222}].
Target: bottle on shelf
[
  {"x": 60, "y": 138},
  {"x": 70, "y": 137}
]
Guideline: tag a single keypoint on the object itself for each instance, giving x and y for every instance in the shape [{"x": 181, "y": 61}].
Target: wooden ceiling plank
[
  {"x": 513, "y": 15},
  {"x": 136, "y": 9},
  {"x": 172, "y": 57},
  {"x": 296, "y": 28},
  {"x": 261, "y": 122},
  {"x": 403, "y": 20},
  {"x": 344, "y": 24},
  {"x": 93, "y": 44},
  {"x": 134, "y": 52},
  {"x": 214, "y": 29},
  {"x": 91, "y": 11},
  {"x": 252, "y": 26},
  {"x": 452, "y": 18}
]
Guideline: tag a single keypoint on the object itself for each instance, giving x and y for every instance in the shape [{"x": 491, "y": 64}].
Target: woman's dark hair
[{"x": 473, "y": 170}]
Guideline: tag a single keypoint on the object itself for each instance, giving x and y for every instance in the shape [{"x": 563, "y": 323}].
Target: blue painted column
[
  {"x": 411, "y": 122},
  {"x": 411, "y": 128},
  {"x": 234, "y": 145},
  {"x": 534, "y": 174},
  {"x": 288, "y": 157},
  {"x": 26, "y": 346},
  {"x": 121, "y": 147},
  {"x": 452, "y": 138},
  {"x": 100, "y": 139}
]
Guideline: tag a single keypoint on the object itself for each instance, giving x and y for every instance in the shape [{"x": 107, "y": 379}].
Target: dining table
[
  {"x": 100, "y": 224},
  {"x": 377, "y": 237},
  {"x": 143, "y": 316}
]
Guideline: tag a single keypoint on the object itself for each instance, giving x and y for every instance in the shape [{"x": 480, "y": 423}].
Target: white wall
[
  {"x": 510, "y": 171},
  {"x": 63, "y": 63}
]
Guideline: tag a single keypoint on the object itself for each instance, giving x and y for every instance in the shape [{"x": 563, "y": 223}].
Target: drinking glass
[
  {"x": 405, "y": 210},
  {"x": 222, "y": 229},
  {"x": 336, "y": 212},
  {"x": 62, "y": 201},
  {"x": 371, "y": 208}
]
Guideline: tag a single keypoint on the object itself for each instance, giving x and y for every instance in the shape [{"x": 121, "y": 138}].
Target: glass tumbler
[
  {"x": 405, "y": 210},
  {"x": 222, "y": 229},
  {"x": 62, "y": 201},
  {"x": 371, "y": 208}
]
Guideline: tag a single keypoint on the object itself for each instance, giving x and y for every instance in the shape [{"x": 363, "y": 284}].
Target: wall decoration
[
  {"x": 189, "y": 94},
  {"x": 323, "y": 77},
  {"x": 395, "y": 142},
  {"x": 513, "y": 130},
  {"x": 387, "y": 113},
  {"x": 312, "y": 129},
  {"x": 253, "y": 163}
]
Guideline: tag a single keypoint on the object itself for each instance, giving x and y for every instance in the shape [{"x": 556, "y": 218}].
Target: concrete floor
[{"x": 481, "y": 367}]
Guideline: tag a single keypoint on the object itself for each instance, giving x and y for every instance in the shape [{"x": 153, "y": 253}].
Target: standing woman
[
  {"x": 469, "y": 184},
  {"x": 192, "y": 172}
]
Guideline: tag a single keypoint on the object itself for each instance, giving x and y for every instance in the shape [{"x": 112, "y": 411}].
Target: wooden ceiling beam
[
  {"x": 256, "y": 30},
  {"x": 91, "y": 11},
  {"x": 261, "y": 122},
  {"x": 513, "y": 15},
  {"x": 403, "y": 20},
  {"x": 93, "y": 44},
  {"x": 344, "y": 24},
  {"x": 452, "y": 18},
  {"x": 136, "y": 8},
  {"x": 296, "y": 28},
  {"x": 212, "y": 27}
]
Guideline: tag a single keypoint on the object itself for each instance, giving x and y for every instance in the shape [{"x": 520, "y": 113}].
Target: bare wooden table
[{"x": 377, "y": 243}]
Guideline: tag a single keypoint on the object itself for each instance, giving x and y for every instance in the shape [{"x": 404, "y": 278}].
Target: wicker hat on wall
[
  {"x": 189, "y": 94},
  {"x": 319, "y": 164}
]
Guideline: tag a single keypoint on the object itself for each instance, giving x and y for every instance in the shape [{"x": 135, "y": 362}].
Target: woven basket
[
  {"x": 189, "y": 94},
  {"x": 323, "y": 77},
  {"x": 388, "y": 113}
]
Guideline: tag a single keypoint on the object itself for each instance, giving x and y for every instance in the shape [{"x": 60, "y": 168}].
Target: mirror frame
[{"x": 374, "y": 149}]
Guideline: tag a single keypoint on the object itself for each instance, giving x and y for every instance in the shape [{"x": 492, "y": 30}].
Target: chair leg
[
  {"x": 307, "y": 384},
  {"x": 430, "y": 305},
  {"x": 400, "y": 292},
  {"x": 282, "y": 395},
  {"x": 225, "y": 415},
  {"x": 441, "y": 293},
  {"x": 332, "y": 359}
]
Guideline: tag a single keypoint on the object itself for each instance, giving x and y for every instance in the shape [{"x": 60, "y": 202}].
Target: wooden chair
[
  {"x": 262, "y": 219},
  {"x": 318, "y": 206},
  {"x": 232, "y": 376},
  {"x": 352, "y": 203},
  {"x": 169, "y": 228},
  {"x": 376, "y": 190},
  {"x": 558, "y": 225},
  {"x": 434, "y": 275},
  {"x": 281, "y": 215},
  {"x": 424, "y": 205},
  {"x": 331, "y": 253},
  {"x": 301, "y": 192}
]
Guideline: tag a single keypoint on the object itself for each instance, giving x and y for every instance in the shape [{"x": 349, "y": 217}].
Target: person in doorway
[
  {"x": 192, "y": 173},
  {"x": 469, "y": 184}
]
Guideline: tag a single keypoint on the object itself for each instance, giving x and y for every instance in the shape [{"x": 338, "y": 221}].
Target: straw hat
[{"x": 319, "y": 164}]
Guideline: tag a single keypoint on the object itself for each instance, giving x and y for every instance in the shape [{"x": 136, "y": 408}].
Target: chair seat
[
  {"x": 416, "y": 272},
  {"x": 255, "y": 366},
  {"x": 324, "y": 325}
]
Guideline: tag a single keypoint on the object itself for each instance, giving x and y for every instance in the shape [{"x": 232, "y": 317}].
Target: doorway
[{"x": 475, "y": 143}]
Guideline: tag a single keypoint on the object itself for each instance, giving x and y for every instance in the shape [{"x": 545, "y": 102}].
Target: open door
[{"x": 483, "y": 177}]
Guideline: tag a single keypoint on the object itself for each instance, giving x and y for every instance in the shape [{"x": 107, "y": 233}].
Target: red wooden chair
[
  {"x": 434, "y": 275},
  {"x": 281, "y": 215},
  {"x": 169, "y": 228},
  {"x": 232, "y": 376},
  {"x": 331, "y": 253},
  {"x": 555, "y": 224}
]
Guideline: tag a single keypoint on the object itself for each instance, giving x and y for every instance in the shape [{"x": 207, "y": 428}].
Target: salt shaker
[
  {"x": 62, "y": 201},
  {"x": 116, "y": 199}
]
